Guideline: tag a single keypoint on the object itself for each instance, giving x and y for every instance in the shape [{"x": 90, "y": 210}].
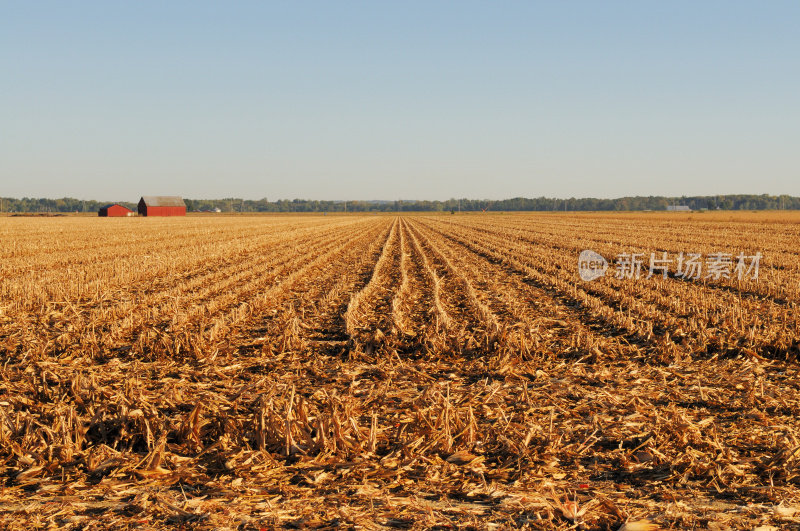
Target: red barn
[
  {"x": 114, "y": 210},
  {"x": 162, "y": 205}
]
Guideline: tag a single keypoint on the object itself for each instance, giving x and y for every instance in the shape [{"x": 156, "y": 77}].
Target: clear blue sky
[{"x": 414, "y": 100}]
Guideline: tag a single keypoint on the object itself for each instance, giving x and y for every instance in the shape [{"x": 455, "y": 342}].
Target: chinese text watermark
[{"x": 688, "y": 266}]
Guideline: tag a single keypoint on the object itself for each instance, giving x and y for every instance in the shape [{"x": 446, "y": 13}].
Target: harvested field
[{"x": 262, "y": 372}]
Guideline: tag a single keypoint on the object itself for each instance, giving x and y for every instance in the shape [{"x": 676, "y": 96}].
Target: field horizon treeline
[{"x": 539, "y": 204}]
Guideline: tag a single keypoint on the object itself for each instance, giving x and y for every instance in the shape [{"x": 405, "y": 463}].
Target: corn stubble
[{"x": 260, "y": 372}]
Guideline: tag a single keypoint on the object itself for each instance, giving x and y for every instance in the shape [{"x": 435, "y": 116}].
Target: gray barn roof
[{"x": 163, "y": 201}]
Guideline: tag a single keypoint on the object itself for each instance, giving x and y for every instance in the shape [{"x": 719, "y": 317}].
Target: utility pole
[{"x": 459, "y": 206}]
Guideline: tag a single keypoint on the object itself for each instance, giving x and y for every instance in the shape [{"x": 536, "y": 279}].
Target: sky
[{"x": 112, "y": 100}]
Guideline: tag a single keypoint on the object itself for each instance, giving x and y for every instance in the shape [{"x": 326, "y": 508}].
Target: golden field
[{"x": 415, "y": 371}]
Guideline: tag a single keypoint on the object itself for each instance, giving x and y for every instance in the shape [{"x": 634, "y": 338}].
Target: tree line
[{"x": 723, "y": 202}]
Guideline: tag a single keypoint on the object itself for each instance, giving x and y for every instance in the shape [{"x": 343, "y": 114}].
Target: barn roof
[
  {"x": 163, "y": 201},
  {"x": 114, "y": 204}
]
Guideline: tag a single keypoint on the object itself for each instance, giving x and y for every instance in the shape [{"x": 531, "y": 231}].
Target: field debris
[{"x": 393, "y": 372}]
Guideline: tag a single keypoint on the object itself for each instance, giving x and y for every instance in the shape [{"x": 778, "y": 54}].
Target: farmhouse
[
  {"x": 678, "y": 208},
  {"x": 162, "y": 205},
  {"x": 114, "y": 210}
]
